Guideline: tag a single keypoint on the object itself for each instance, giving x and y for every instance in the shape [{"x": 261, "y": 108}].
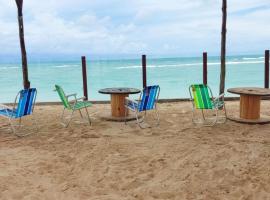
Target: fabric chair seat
[
  {"x": 81, "y": 104},
  {"x": 133, "y": 105},
  {"x": 147, "y": 101},
  {"x": 8, "y": 113},
  {"x": 202, "y": 99},
  {"x": 218, "y": 104},
  {"x": 74, "y": 105}
]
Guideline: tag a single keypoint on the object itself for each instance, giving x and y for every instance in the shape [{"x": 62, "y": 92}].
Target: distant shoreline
[{"x": 16, "y": 59}]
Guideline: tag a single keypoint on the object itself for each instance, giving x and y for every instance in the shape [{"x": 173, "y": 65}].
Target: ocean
[{"x": 174, "y": 75}]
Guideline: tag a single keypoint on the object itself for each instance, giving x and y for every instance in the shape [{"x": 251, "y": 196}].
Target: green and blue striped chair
[
  {"x": 148, "y": 101},
  {"x": 24, "y": 107},
  {"x": 75, "y": 105},
  {"x": 202, "y": 99}
]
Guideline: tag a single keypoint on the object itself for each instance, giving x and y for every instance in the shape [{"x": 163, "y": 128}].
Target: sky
[{"x": 133, "y": 27}]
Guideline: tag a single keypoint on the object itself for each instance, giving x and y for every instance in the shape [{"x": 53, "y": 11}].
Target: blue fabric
[
  {"x": 26, "y": 102},
  {"x": 25, "y": 106},
  {"x": 148, "y": 98},
  {"x": 132, "y": 105},
  {"x": 8, "y": 113}
]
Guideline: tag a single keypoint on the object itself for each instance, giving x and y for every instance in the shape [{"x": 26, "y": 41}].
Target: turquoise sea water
[{"x": 174, "y": 75}]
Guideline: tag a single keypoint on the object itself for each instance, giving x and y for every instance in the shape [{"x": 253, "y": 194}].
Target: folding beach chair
[
  {"x": 24, "y": 107},
  {"x": 75, "y": 105},
  {"x": 147, "y": 101},
  {"x": 202, "y": 99}
]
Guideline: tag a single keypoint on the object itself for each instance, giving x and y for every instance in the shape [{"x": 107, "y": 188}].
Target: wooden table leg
[
  {"x": 250, "y": 107},
  {"x": 118, "y": 105}
]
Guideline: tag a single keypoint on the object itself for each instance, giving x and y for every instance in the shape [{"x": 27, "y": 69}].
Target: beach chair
[
  {"x": 147, "y": 101},
  {"x": 23, "y": 108},
  {"x": 202, "y": 99},
  {"x": 74, "y": 105}
]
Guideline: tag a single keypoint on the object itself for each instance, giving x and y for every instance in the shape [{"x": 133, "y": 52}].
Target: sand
[{"x": 114, "y": 161}]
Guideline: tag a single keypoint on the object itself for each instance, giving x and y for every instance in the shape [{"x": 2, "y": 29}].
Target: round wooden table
[
  {"x": 118, "y": 96},
  {"x": 250, "y": 104}
]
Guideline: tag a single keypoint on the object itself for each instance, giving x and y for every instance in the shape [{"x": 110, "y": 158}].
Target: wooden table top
[
  {"x": 119, "y": 91},
  {"x": 255, "y": 91}
]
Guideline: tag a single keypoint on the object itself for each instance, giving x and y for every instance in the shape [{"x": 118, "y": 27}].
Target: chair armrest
[
  {"x": 76, "y": 99},
  {"x": 130, "y": 100},
  {"x": 5, "y": 106},
  {"x": 131, "y": 104},
  {"x": 219, "y": 97},
  {"x": 70, "y": 95},
  {"x": 81, "y": 98}
]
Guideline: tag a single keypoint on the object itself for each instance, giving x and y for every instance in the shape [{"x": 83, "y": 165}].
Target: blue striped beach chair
[
  {"x": 24, "y": 107},
  {"x": 202, "y": 99},
  {"x": 147, "y": 101}
]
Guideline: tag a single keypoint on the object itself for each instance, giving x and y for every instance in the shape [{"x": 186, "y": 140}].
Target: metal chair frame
[
  {"x": 217, "y": 109},
  {"x": 137, "y": 112},
  {"x": 10, "y": 119},
  {"x": 66, "y": 124}
]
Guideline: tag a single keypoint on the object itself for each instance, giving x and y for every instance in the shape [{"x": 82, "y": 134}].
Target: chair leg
[
  {"x": 225, "y": 115},
  {"x": 225, "y": 112},
  {"x": 66, "y": 125},
  {"x": 80, "y": 113},
  {"x": 12, "y": 126},
  {"x": 194, "y": 119},
  {"x": 20, "y": 133},
  {"x": 62, "y": 116},
  {"x": 203, "y": 115},
  {"x": 89, "y": 119},
  {"x": 157, "y": 116},
  {"x": 138, "y": 122},
  {"x": 126, "y": 109}
]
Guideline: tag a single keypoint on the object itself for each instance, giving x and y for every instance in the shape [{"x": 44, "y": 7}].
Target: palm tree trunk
[
  {"x": 223, "y": 47},
  {"x": 26, "y": 82}
]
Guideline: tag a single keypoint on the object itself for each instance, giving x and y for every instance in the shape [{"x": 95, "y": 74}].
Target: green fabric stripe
[
  {"x": 208, "y": 98},
  {"x": 195, "y": 96},
  {"x": 201, "y": 97},
  {"x": 62, "y": 96},
  {"x": 80, "y": 105},
  {"x": 205, "y": 97}
]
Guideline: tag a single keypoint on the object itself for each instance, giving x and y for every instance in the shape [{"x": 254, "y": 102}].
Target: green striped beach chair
[
  {"x": 75, "y": 105},
  {"x": 202, "y": 99},
  {"x": 24, "y": 107}
]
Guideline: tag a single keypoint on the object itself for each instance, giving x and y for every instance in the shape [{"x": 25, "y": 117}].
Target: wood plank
[
  {"x": 250, "y": 107},
  {"x": 118, "y": 104}
]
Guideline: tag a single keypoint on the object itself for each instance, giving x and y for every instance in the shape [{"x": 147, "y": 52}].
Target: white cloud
[{"x": 136, "y": 26}]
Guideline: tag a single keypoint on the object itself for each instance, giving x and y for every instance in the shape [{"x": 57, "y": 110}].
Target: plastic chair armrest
[
  {"x": 70, "y": 95},
  {"x": 219, "y": 97},
  {"x": 5, "y": 106}
]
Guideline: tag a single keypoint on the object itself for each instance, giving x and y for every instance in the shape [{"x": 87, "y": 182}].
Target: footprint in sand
[{"x": 90, "y": 136}]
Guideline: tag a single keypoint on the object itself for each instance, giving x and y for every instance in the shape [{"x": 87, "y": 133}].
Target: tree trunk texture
[
  {"x": 223, "y": 47},
  {"x": 26, "y": 82}
]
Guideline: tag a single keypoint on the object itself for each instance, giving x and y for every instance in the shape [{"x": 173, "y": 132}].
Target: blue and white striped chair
[
  {"x": 24, "y": 107},
  {"x": 147, "y": 101}
]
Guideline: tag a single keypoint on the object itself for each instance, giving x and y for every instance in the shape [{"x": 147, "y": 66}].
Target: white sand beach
[{"x": 114, "y": 161}]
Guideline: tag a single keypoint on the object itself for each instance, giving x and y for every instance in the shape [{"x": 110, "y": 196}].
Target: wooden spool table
[
  {"x": 118, "y": 96},
  {"x": 250, "y": 104}
]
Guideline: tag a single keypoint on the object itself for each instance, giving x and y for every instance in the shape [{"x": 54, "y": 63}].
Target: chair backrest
[
  {"x": 149, "y": 97},
  {"x": 201, "y": 97},
  {"x": 26, "y": 102},
  {"x": 62, "y": 96}
]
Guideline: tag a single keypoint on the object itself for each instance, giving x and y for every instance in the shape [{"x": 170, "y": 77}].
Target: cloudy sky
[{"x": 153, "y": 27}]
